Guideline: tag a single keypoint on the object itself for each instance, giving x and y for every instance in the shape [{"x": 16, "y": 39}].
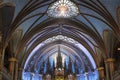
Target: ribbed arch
[
  {"x": 79, "y": 53},
  {"x": 38, "y": 29},
  {"x": 64, "y": 50},
  {"x": 68, "y": 35}
]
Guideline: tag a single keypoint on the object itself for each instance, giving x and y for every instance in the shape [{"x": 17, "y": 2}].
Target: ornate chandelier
[{"x": 63, "y": 9}]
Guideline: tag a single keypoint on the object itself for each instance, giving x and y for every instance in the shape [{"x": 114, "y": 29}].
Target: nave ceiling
[{"x": 24, "y": 24}]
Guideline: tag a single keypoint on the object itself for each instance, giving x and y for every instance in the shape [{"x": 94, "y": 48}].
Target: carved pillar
[
  {"x": 109, "y": 64},
  {"x": 12, "y": 67},
  {"x": 101, "y": 73},
  {"x": 16, "y": 71},
  {"x": 1, "y": 51},
  {"x": 20, "y": 73}
]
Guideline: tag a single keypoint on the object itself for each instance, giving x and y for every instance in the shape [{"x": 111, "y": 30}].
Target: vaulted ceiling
[{"x": 25, "y": 25}]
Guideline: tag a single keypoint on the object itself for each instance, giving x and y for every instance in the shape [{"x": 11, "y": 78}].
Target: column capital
[
  {"x": 100, "y": 68},
  {"x": 12, "y": 59},
  {"x": 110, "y": 60},
  {"x": 101, "y": 72}
]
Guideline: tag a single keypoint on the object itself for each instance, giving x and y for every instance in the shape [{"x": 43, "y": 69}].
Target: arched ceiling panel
[
  {"x": 76, "y": 44},
  {"x": 50, "y": 50},
  {"x": 54, "y": 38},
  {"x": 81, "y": 18},
  {"x": 25, "y": 26},
  {"x": 111, "y": 7},
  {"x": 38, "y": 35},
  {"x": 81, "y": 30},
  {"x": 100, "y": 26},
  {"x": 94, "y": 7}
]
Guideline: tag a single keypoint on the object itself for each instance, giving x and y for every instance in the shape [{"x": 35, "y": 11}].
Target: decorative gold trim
[
  {"x": 13, "y": 59},
  {"x": 100, "y": 68},
  {"x": 110, "y": 60}
]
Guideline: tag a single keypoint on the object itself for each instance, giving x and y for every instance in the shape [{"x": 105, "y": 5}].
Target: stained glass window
[{"x": 63, "y": 9}]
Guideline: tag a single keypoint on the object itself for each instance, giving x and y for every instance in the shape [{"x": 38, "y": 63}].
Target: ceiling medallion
[{"x": 63, "y": 9}]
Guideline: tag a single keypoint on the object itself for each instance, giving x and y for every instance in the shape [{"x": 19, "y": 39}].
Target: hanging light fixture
[{"x": 63, "y": 9}]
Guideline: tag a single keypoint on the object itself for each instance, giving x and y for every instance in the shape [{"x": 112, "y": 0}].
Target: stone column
[
  {"x": 16, "y": 70},
  {"x": 1, "y": 53},
  {"x": 20, "y": 73},
  {"x": 109, "y": 64},
  {"x": 101, "y": 73},
  {"x": 12, "y": 67}
]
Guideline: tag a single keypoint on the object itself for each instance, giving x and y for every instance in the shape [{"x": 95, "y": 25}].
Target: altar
[
  {"x": 59, "y": 74},
  {"x": 59, "y": 78}
]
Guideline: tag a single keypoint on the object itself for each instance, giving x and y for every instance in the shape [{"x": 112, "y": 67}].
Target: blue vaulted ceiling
[
  {"x": 96, "y": 23},
  {"x": 99, "y": 25}
]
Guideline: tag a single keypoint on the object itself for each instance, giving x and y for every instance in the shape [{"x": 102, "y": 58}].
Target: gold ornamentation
[
  {"x": 110, "y": 60},
  {"x": 100, "y": 68},
  {"x": 13, "y": 59}
]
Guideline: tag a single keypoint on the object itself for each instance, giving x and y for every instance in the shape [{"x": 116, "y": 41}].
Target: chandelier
[{"x": 63, "y": 9}]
